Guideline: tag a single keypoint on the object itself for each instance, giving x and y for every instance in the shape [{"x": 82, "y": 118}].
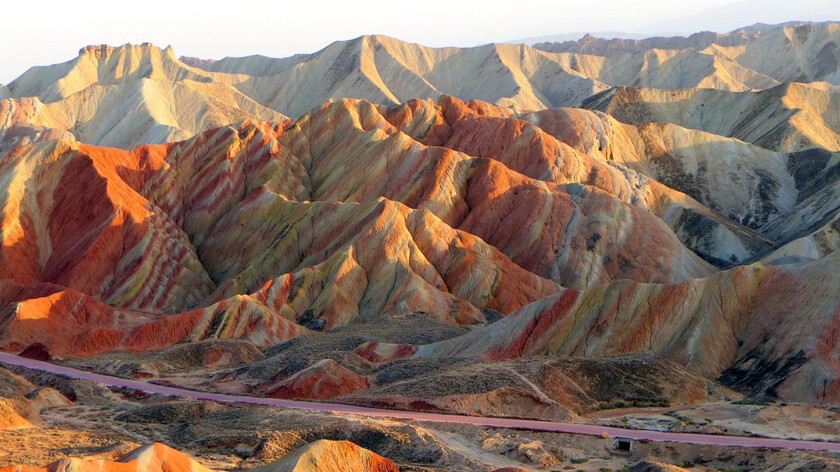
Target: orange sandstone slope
[
  {"x": 263, "y": 231},
  {"x": 570, "y": 145},
  {"x": 151, "y": 458},
  {"x": 763, "y": 329},
  {"x": 156, "y": 457},
  {"x": 325, "y": 454}
]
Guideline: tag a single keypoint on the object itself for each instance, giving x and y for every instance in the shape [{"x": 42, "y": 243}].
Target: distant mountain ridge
[
  {"x": 130, "y": 95},
  {"x": 592, "y": 44},
  {"x": 802, "y": 52}
]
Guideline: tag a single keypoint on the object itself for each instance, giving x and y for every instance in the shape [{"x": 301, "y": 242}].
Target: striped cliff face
[
  {"x": 761, "y": 328},
  {"x": 261, "y": 229},
  {"x": 264, "y": 231}
]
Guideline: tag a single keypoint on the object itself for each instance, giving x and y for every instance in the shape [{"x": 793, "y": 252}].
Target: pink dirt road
[{"x": 536, "y": 425}]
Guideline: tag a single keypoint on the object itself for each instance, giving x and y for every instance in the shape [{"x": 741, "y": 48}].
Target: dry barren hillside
[
  {"x": 502, "y": 230},
  {"x": 130, "y": 95},
  {"x": 265, "y": 231}
]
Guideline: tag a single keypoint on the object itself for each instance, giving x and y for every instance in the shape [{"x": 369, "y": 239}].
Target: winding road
[{"x": 536, "y": 425}]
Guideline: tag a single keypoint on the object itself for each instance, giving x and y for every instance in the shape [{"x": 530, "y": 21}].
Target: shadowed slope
[
  {"x": 264, "y": 231},
  {"x": 802, "y": 52},
  {"x": 789, "y": 117},
  {"x": 766, "y": 329},
  {"x": 127, "y": 96},
  {"x": 550, "y": 146},
  {"x": 354, "y": 211},
  {"x": 218, "y": 223}
]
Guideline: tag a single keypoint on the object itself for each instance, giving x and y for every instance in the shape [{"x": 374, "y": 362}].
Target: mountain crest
[{"x": 106, "y": 50}]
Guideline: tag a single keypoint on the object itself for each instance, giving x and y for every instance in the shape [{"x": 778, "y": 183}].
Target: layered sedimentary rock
[
  {"x": 319, "y": 455},
  {"x": 446, "y": 207},
  {"x": 797, "y": 51},
  {"x": 346, "y": 365},
  {"x": 670, "y": 69},
  {"x": 389, "y": 71},
  {"x": 789, "y": 198},
  {"x": 126, "y": 96},
  {"x": 590, "y": 232},
  {"x": 153, "y": 245},
  {"x": 551, "y": 388},
  {"x": 331, "y": 455},
  {"x": 789, "y": 117},
  {"x": 130, "y": 95},
  {"x": 323, "y": 380},
  {"x": 155, "y": 457},
  {"x": 570, "y": 145},
  {"x": 765, "y": 329},
  {"x": 744, "y": 182}
]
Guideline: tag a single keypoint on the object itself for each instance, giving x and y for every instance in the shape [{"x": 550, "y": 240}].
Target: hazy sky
[{"x": 47, "y": 31}]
